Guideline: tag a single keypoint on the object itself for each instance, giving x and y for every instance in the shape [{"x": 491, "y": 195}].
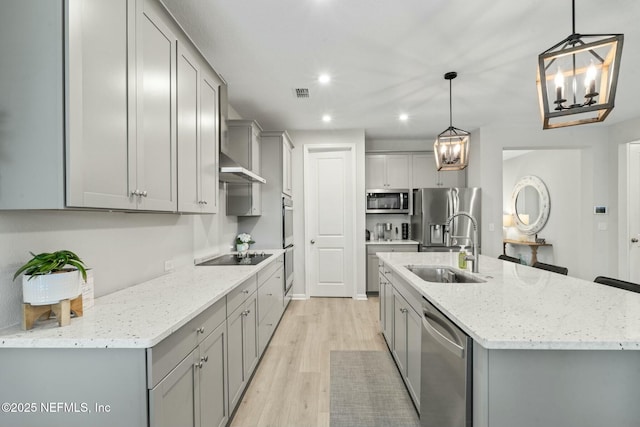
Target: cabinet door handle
[
  {"x": 269, "y": 295},
  {"x": 198, "y": 365},
  {"x": 135, "y": 192},
  {"x": 634, "y": 240},
  {"x": 144, "y": 194},
  {"x": 200, "y": 330},
  {"x": 245, "y": 291},
  {"x": 204, "y": 359},
  {"x": 404, "y": 310}
]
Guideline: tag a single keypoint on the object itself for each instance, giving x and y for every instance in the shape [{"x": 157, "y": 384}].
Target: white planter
[
  {"x": 242, "y": 247},
  {"x": 51, "y": 288}
]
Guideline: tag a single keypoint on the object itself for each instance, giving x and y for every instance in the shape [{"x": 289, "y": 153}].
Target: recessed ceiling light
[
  {"x": 326, "y": 118},
  {"x": 324, "y": 78},
  {"x": 403, "y": 117}
]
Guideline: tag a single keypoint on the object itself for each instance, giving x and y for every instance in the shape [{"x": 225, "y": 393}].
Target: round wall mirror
[{"x": 530, "y": 204}]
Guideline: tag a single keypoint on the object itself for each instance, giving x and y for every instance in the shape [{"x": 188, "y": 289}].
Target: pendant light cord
[
  {"x": 450, "y": 108},
  {"x": 573, "y": 16}
]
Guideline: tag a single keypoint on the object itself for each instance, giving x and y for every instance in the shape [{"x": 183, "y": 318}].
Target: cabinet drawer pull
[
  {"x": 198, "y": 365},
  {"x": 246, "y": 291},
  {"x": 269, "y": 295},
  {"x": 404, "y": 310},
  {"x": 204, "y": 359},
  {"x": 200, "y": 330},
  {"x": 144, "y": 193},
  {"x": 135, "y": 193}
]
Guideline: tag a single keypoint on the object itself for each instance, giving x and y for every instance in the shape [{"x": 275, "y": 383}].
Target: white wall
[
  {"x": 300, "y": 139},
  {"x": 563, "y": 229}
]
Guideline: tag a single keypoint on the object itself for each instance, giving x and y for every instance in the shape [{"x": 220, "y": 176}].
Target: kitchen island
[
  {"x": 176, "y": 350},
  {"x": 549, "y": 349}
]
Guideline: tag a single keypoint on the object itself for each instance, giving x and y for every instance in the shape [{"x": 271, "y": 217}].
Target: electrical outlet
[
  {"x": 168, "y": 265},
  {"x": 492, "y": 227}
]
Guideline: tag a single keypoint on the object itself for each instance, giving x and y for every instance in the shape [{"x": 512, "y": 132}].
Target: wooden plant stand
[{"x": 62, "y": 311}]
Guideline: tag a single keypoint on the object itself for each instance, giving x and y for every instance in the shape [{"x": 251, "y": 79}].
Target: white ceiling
[{"x": 389, "y": 57}]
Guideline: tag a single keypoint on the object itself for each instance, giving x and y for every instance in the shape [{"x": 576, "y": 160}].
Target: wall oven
[
  {"x": 287, "y": 244},
  {"x": 388, "y": 201}
]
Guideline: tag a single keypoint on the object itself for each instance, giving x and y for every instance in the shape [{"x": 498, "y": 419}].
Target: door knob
[
  {"x": 634, "y": 240},
  {"x": 313, "y": 241}
]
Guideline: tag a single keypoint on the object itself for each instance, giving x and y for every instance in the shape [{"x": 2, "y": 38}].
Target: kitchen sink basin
[{"x": 442, "y": 274}]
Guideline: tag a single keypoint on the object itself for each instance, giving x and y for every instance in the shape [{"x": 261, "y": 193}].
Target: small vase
[{"x": 242, "y": 247}]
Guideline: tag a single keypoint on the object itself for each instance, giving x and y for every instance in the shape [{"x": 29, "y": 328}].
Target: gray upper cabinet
[
  {"x": 425, "y": 174},
  {"x": 104, "y": 93},
  {"x": 392, "y": 171},
  {"x": 100, "y": 52},
  {"x": 287, "y": 165},
  {"x": 245, "y": 137},
  {"x": 276, "y": 150},
  {"x": 155, "y": 154},
  {"x": 198, "y": 134}
]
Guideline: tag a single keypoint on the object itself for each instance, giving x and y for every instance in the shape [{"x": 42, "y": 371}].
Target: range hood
[{"x": 232, "y": 172}]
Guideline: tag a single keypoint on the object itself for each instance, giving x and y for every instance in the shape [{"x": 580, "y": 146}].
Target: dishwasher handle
[{"x": 451, "y": 346}]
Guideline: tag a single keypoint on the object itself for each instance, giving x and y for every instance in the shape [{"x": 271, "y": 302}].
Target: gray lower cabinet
[
  {"x": 194, "y": 393},
  {"x": 186, "y": 378},
  {"x": 175, "y": 401},
  {"x": 243, "y": 347},
  {"x": 270, "y": 302},
  {"x": 402, "y": 328},
  {"x": 372, "y": 260}
]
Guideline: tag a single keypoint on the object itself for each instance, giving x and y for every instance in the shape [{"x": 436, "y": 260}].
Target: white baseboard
[
  {"x": 299, "y": 296},
  {"x": 360, "y": 297}
]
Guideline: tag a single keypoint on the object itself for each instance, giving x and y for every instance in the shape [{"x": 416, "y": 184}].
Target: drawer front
[
  {"x": 265, "y": 273},
  {"x": 268, "y": 294},
  {"x": 237, "y": 296},
  {"x": 166, "y": 355}
]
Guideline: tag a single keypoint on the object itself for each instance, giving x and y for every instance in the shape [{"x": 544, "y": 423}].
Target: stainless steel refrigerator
[{"x": 431, "y": 209}]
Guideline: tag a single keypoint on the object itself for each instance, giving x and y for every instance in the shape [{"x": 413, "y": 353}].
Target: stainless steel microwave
[{"x": 388, "y": 201}]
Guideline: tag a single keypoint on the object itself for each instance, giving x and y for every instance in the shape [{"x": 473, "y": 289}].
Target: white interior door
[
  {"x": 330, "y": 213},
  {"x": 634, "y": 213}
]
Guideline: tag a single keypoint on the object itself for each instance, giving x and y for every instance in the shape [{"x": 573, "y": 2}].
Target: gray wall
[
  {"x": 123, "y": 249},
  {"x": 564, "y": 227}
]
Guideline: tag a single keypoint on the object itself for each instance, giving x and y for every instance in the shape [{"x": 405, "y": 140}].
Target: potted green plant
[
  {"x": 243, "y": 241},
  {"x": 52, "y": 277}
]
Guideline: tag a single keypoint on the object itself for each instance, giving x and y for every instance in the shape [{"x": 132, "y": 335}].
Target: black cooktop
[{"x": 236, "y": 259}]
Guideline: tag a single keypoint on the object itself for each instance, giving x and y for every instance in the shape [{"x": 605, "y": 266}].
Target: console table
[{"x": 532, "y": 245}]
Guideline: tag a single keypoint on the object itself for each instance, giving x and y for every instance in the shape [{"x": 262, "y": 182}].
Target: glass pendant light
[
  {"x": 451, "y": 148},
  {"x": 577, "y": 78}
]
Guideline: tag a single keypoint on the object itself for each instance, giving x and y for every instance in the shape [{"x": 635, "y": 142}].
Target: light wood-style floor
[{"x": 291, "y": 385}]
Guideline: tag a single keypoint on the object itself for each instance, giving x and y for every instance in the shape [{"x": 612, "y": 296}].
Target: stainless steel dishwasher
[{"x": 446, "y": 376}]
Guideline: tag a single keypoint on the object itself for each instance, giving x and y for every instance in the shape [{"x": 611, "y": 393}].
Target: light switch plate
[{"x": 168, "y": 265}]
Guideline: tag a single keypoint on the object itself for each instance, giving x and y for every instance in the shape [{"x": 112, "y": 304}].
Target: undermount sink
[{"x": 442, "y": 274}]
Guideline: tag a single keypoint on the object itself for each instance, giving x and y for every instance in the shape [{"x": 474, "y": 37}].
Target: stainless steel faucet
[{"x": 475, "y": 256}]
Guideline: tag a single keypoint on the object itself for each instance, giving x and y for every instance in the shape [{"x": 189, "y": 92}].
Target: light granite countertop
[
  {"x": 521, "y": 307},
  {"x": 142, "y": 315},
  {"x": 391, "y": 242}
]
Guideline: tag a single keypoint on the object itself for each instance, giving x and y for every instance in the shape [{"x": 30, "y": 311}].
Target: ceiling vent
[{"x": 302, "y": 92}]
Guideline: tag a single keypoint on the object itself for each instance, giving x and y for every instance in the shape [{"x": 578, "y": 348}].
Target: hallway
[{"x": 291, "y": 385}]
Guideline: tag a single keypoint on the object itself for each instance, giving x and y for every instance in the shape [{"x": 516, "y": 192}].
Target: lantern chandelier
[
  {"x": 451, "y": 148},
  {"x": 589, "y": 63}
]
